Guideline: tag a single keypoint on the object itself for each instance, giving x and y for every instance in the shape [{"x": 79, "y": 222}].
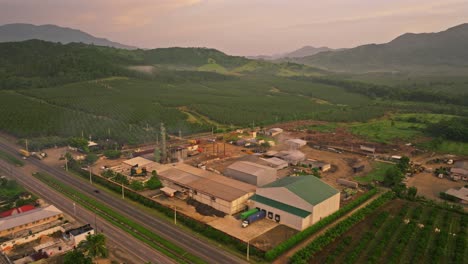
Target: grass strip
[
  {"x": 11, "y": 159},
  {"x": 122, "y": 222}
]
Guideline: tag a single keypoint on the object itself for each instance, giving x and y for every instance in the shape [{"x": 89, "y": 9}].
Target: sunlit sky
[{"x": 241, "y": 27}]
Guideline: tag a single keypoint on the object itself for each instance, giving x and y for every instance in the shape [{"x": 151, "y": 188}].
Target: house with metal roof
[
  {"x": 252, "y": 173},
  {"x": 297, "y": 202}
]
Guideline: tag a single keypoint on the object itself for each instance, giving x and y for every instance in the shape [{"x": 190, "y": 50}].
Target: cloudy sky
[{"x": 241, "y": 27}]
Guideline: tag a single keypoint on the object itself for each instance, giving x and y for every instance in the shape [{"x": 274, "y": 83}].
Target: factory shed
[
  {"x": 138, "y": 161},
  {"x": 251, "y": 173},
  {"x": 460, "y": 193},
  {"x": 274, "y": 131},
  {"x": 29, "y": 219},
  {"x": 276, "y": 163},
  {"x": 297, "y": 202},
  {"x": 292, "y": 157},
  {"x": 221, "y": 193},
  {"x": 296, "y": 143}
]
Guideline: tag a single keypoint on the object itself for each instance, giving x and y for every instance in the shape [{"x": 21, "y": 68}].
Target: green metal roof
[
  {"x": 281, "y": 206},
  {"x": 309, "y": 188}
]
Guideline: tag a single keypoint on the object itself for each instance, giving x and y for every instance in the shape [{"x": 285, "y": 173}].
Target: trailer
[
  {"x": 248, "y": 213},
  {"x": 24, "y": 153},
  {"x": 253, "y": 218}
]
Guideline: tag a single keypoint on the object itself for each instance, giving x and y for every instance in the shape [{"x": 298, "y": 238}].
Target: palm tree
[{"x": 94, "y": 246}]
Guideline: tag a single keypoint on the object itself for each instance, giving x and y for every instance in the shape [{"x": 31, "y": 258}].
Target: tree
[
  {"x": 112, "y": 154},
  {"x": 76, "y": 257},
  {"x": 137, "y": 185},
  {"x": 393, "y": 177},
  {"x": 94, "y": 246},
  {"x": 412, "y": 191},
  {"x": 91, "y": 158},
  {"x": 79, "y": 143},
  {"x": 153, "y": 183},
  {"x": 403, "y": 164}
]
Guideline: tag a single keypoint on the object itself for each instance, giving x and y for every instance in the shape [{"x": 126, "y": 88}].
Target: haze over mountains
[
  {"x": 409, "y": 52},
  {"x": 299, "y": 53},
  {"x": 53, "y": 33},
  {"x": 406, "y": 52}
]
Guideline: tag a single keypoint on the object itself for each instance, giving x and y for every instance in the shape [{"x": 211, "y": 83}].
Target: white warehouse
[
  {"x": 251, "y": 173},
  {"x": 297, "y": 202}
]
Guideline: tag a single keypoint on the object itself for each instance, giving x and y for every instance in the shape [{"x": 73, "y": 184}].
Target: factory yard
[{"x": 430, "y": 186}]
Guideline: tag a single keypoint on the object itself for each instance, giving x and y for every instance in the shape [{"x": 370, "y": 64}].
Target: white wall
[
  {"x": 325, "y": 208},
  {"x": 286, "y": 218}
]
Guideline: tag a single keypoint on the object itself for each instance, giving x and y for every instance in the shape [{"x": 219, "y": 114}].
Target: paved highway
[
  {"x": 136, "y": 251},
  {"x": 192, "y": 244}
]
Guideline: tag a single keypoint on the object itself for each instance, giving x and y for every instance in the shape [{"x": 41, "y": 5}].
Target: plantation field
[
  {"x": 131, "y": 110},
  {"x": 402, "y": 232}
]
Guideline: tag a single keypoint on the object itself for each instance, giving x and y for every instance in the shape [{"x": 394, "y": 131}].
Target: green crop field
[{"x": 402, "y": 232}]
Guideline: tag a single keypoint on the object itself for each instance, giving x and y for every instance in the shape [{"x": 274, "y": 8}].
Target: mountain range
[
  {"x": 408, "y": 52},
  {"x": 21, "y": 32}
]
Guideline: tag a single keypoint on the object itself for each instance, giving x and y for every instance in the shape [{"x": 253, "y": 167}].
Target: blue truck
[{"x": 253, "y": 218}]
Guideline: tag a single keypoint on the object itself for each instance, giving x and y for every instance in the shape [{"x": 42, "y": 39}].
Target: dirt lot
[
  {"x": 273, "y": 237},
  {"x": 232, "y": 226},
  {"x": 430, "y": 186}
]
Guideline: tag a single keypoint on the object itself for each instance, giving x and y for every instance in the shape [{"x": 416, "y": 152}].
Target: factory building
[
  {"x": 297, "y": 202},
  {"x": 252, "y": 173},
  {"x": 29, "y": 219},
  {"x": 226, "y": 195},
  {"x": 296, "y": 143},
  {"x": 293, "y": 157},
  {"x": 276, "y": 163}
]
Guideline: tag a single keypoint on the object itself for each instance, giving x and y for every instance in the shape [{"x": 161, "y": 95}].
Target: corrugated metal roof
[
  {"x": 281, "y": 206},
  {"x": 461, "y": 193},
  {"x": 309, "y": 188},
  {"x": 207, "y": 182},
  {"x": 28, "y": 217},
  {"x": 250, "y": 168}
]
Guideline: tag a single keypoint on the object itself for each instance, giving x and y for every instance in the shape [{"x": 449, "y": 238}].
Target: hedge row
[
  {"x": 306, "y": 233},
  {"x": 122, "y": 222},
  {"x": 305, "y": 254},
  {"x": 199, "y": 227}
]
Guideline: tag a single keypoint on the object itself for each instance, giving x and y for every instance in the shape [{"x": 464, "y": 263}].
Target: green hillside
[{"x": 410, "y": 52}]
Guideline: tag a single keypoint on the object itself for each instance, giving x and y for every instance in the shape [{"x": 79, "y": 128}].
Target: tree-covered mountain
[
  {"x": 53, "y": 33},
  {"x": 407, "y": 52}
]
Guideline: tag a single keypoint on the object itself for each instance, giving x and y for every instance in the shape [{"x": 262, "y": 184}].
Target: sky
[{"x": 241, "y": 27}]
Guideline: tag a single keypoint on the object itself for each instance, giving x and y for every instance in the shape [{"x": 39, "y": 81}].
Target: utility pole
[
  {"x": 90, "y": 179},
  {"x": 123, "y": 195},
  {"x": 66, "y": 163},
  {"x": 27, "y": 145},
  {"x": 163, "y": 144},
  {"x": 175, "y": 215},
  {"x": 248, "y": 249},
  {"x": 74, "y": 209}
]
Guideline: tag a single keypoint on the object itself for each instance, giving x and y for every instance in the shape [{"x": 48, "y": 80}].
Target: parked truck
[
  {"x": 248, "y": 213},
  {"x": 253, "y": 218}
]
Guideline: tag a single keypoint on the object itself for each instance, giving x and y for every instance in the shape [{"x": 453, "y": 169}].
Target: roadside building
[
  {"x": 274, "y": 131},
  {"x": 296, "y": 143},
  {"x": 226, "y": 195},
  {"x": 276, "y": 163},
  {"x": 460, "y": 193},
  {"x": 251, "y": 173},
  {"x": 368, "y": 149},
  {"x": 29, "y": 219},
  {"x": 297, "y": 202},
  {"x": 79, "y": 234}
]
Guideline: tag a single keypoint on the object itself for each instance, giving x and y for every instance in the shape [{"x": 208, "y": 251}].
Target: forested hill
[
  {"x": 192, "y": 57},
  {"x": 406, "y": 52},
  {"x": 53, "y": 33}
]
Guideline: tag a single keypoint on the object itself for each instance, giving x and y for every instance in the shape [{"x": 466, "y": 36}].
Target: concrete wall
[
  {"x": 268, "y": 175},
  {"x": 77, "y": 239},
  {"x": 325, "y": 208}
]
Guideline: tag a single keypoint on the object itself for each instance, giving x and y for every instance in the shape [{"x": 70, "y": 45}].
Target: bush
[{"x": 112, "y": 154}]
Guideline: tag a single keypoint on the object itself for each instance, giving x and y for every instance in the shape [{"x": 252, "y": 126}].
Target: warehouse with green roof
[{"x": 297, "y": 202}]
